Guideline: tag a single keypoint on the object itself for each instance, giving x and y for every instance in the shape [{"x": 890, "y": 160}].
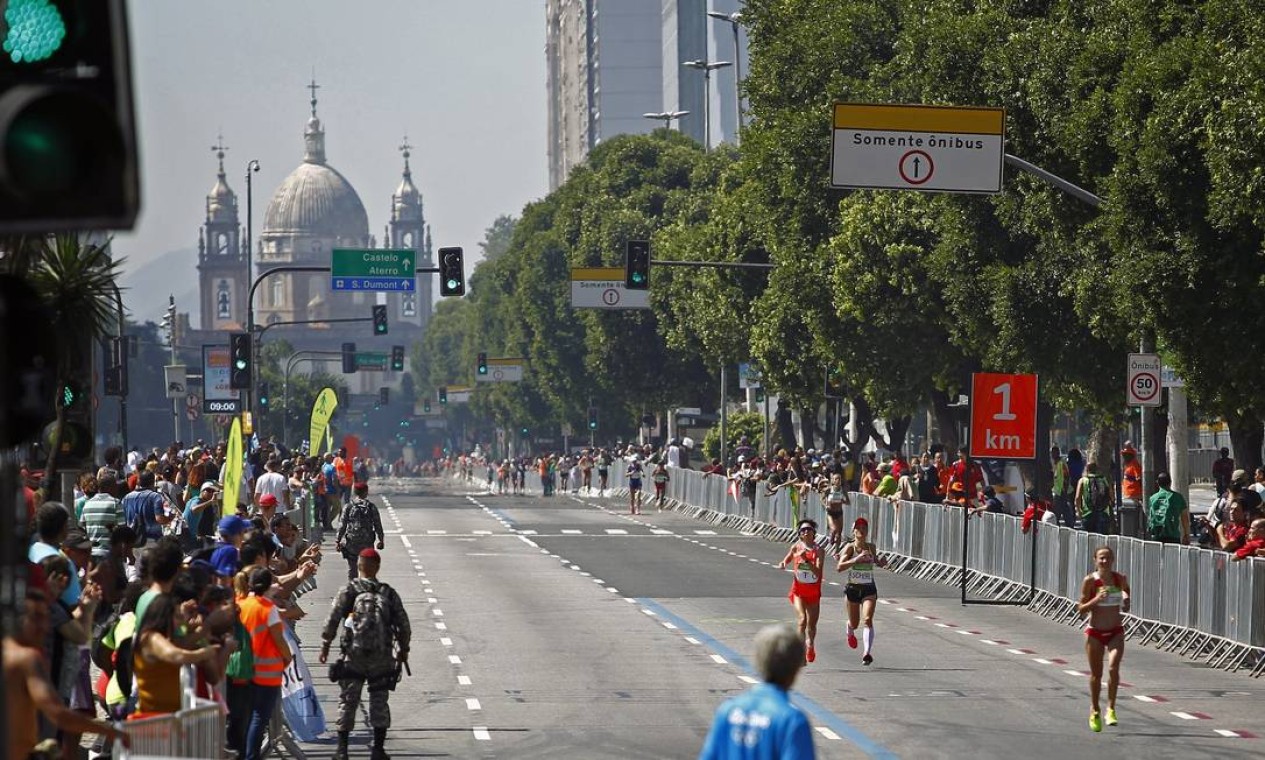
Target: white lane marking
[
  {"x": 884, "y": 601},
  {"x": 612, "y": 589},
  {"x": 431, "y": 600},
  {"x": 586, "y": 574},
  {"x": 719, "y": 660},
  {"x": 704, "y": 532},
  {"x": 630, "y": 600},
  {"x": 669, "y": 626},
  {"x": 572, "y": 532},
  {"x": 531, "y": 543},
  {"x": 1043, "y": 662},
  {"x": 481, "y": 733},
  {"x": 990, "y": 642},
  {"x": 527, "y": 532},
  {"x": 407, "y": 544},
  {"x": 437, "y": 612},
  {"x": 463, "y": 680},
  {"x": 446, "y": 641},
  {"x": 922, "y": 617},
  {"x": 454, "y": 659},
  {"x": 441, "y": 626},
  {"x": 827, "y": 733},
  {"x": 1016, "y": 651},
  {"x": 473, "y": 704},
  {"x": 436, "y": 532},
  {"x": 1187, "y": 716},
  {"x": 747, "y": 679},
  {"x": 598, "y": 580},
  {"x": 692, "y": 640},
  {"x": 1074, "y": 673},
  {"x": 651, "y": 613},
  {"x": 662, "y": 532},
  {"x": 1145, "y": 698},
  {"x": 481, "y": 532},
  {"x": 616, "y": 532},
  {"x": 575, "y": 567}
]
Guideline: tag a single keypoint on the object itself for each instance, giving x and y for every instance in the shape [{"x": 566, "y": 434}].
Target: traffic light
[
  {"x": 443, "y": 395},
  {"x": 239, "y": 354},
  {"x": 384, "y": 395},
  {"x": 349, "y": 358},
  {"x": 759, "y": 395},
  {"x": 637, "y": 265},
  {"x": 482, "y": 366},
  {"x": 264, "y": 396},
  {"x": 28, "y": 351},
  {"x": 592, "y": 418},
  {"x": 452, "y": 272},
  {"x": 525, "y": 432},
  {"x": 426, "y": 405},
  {"x": 397, "y": 358},
  {"x": 114, "y": 378},
  {"x": 380, "y": 319},
  {"x": 67, "y": 133}
]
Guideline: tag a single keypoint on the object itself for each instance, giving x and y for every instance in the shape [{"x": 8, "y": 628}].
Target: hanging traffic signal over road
[
  {"x": 637, "y": 265},
  {"x": 397, "y": 358},
  {"x": 452, "y": 272},
  {"x": 239, "y": 354},
  {"x": 482, "y": 366},
  {"x": 264, "y": 396},
  {"x": 67, "y": 136},
  {"x": 443, "y": 395},
  {"x": 349, "y": 358},
  {"x": 592, "y": 418},
  {"x": 384, "y": 395},
  {"x": 426, "y": 405},
  {"x": 380, "y": 319}
]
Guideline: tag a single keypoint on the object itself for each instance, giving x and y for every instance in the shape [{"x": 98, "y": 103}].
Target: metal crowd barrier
[
  {"x": 196, "y": 732},
  {"x": 1186, "y": 599}
]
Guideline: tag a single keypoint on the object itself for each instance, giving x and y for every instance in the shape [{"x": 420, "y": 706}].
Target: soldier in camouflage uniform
[{"x": 369, "y": 619}]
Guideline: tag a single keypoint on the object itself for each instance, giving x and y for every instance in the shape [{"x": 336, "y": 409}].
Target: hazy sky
[{"x": 464, "y": 79}]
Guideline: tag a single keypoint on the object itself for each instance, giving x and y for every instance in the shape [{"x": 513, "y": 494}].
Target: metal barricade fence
[{"x": 1198, "y": 591}]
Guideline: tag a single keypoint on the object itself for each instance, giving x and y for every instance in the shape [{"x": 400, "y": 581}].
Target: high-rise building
[{"x": 604, "y": 71}]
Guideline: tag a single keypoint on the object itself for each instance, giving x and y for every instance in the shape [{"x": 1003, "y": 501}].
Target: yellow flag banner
[
  {"x": 322, "y": 410},
  {"x": 231, "y": 477}
]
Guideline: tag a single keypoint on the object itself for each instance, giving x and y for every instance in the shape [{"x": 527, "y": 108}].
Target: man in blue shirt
[
  {"x": 761, "y": 723},
  {"x": 144, "y": 508}
]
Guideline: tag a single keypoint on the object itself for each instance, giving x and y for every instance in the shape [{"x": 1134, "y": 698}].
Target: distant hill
[{"x": 146, "y": 287}]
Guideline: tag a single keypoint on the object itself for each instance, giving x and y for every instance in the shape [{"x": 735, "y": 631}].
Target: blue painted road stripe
[{"x": 820, "y": 714}]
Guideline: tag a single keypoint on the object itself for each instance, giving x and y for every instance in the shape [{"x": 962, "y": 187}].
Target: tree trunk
[
  {"x": 808, "y": 426},
  {"x": 785, "y": 429},
  {"x": 947, "y": 422},
  {"x": 1101, "y": 448},
  {"x": 1246, "y": 435},
  {"x": 896, "y": 430}
]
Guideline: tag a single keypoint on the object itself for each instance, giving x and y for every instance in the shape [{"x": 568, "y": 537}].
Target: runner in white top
[{"x": 859, "y": 558}]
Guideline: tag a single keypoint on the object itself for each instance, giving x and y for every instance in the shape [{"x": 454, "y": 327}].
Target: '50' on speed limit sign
[{"x": 1143, "y": 386}]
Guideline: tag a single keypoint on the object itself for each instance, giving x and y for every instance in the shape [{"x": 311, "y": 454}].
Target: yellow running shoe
[
  {"x": 1111, "y": 717},
  {"x": 1095, "y": 722}
]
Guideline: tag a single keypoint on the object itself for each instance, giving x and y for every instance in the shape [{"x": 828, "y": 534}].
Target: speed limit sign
[{"x": 1143, "y": 388}]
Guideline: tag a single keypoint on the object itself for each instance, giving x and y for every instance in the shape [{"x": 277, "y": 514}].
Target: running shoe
[
  {"x": 811, "y": 654},
  {"x": 1111, "y": 717},
  {"x": 852, "y": 639},
  {"x": 866, "y": 660},
  {"x": 1095, "y": 722}
]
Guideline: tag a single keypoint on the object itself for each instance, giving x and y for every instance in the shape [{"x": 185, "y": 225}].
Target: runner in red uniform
[
  {"x": 1105, "y": 598},
  {"x": 806, "y": 559}
]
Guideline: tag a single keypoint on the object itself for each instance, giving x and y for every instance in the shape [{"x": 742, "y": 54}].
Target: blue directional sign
[{"x": 373, "y": 269}]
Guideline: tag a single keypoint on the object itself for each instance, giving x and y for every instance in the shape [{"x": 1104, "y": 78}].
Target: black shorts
[
  {"x": 835, "y": 513},
  {"x": 859, "y": 592}
]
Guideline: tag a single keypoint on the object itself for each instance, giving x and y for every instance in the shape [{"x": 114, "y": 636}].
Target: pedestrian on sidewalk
[{"x": 374, "y": 635}]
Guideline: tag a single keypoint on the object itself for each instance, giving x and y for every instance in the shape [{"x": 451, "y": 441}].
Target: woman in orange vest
[
  {"x": 262, "y": 621},
  {"x": 156, "y": 660}
]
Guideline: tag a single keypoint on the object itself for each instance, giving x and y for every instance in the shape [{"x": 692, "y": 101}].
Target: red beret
[{"x": 370, "y": 553}]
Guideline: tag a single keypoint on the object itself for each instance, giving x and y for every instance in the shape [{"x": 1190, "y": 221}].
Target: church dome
[{"x": 316, "y": 200}]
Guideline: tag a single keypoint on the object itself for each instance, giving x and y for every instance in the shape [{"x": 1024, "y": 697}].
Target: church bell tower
[{"x": 223, "y": 267}]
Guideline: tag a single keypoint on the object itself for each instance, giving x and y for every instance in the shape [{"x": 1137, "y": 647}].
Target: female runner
[
  {"x": 1105, "y": 597},
  {"x": 836, "y": 497},
  {"x": 859, "y": 558},
  {"x": 808, "y": 560}
]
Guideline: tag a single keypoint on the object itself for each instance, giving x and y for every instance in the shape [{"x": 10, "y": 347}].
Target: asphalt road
[{"x": 564, "y": 628}]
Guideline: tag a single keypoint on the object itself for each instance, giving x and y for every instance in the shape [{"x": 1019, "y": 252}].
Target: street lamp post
[
  {"x": 734, "y": 19},
  {"x": 707, "y": 67},
  {"x": 667, "y": 117},
  {"x": 252, "y": 167}
]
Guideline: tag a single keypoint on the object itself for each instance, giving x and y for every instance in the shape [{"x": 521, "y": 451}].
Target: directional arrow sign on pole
[{"x": 374, "y": 269}]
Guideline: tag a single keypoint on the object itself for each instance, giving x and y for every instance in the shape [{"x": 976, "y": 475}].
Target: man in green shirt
[{"x": 1061, "y": 488}]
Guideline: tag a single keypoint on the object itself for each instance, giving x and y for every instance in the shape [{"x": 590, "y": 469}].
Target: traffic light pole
[
  {"x": 250, "y": 313},
  {"x": 295, "y": 358},
  {"x": 118, "y": 300},
  {"x": 264, "y": 328}
]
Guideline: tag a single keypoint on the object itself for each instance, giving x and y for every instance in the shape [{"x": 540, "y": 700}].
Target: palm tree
[{"x": 78, "y": 281}]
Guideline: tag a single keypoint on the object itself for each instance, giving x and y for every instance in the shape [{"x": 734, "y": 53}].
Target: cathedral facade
[{"x": 314, "y": 210}]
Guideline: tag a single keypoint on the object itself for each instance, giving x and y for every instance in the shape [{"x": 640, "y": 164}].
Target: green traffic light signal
[
  {"x": 68, "y": 395},
  {"x": 36, "y": 30}
]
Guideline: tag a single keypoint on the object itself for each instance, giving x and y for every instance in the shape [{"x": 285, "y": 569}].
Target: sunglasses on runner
[{"x": 807, "y": 529}]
